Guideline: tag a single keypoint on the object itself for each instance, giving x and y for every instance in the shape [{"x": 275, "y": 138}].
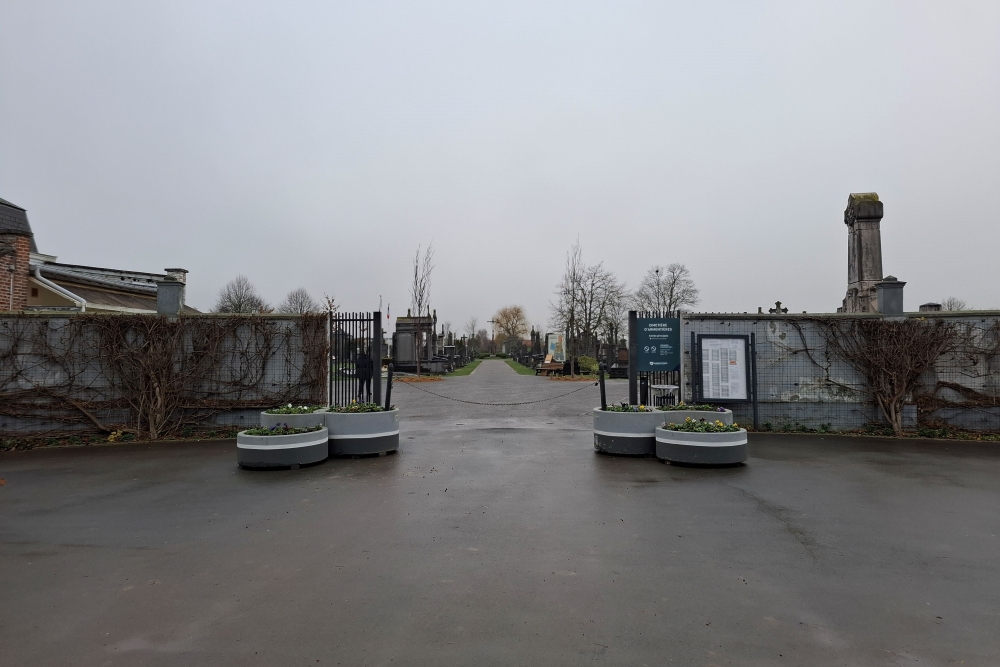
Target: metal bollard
[
  {"x": 604, "y": 396},
  {"x": 388, "y": 389}
]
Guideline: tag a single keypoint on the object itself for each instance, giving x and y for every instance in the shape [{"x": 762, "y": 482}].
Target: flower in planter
[
  {"x": 701, "y": 426},
  {"x": 293, "y": 410},
  {"x": 694, "y": 408},
  {"x": 280, "y": 429},
  {"x": 355, "y": 407},
  {"x": 625, "y": 407}
]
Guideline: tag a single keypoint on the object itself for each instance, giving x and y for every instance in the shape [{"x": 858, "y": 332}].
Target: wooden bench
[{"x": 549, "y": 367}]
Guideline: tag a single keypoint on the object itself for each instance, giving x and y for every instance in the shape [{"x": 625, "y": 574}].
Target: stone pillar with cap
[
  {"x": 170, "y": 293},
  {"x": 863, "y": 218},
  {"x": 890, "y": 296}
]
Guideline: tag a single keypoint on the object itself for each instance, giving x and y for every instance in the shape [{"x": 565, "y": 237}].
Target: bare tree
[
  {"x": 954, "y": 303},
  {"x": 298, "y": 302},
  {"x": 666, "y": 289},
  {"x": 482, "y": 339},
  {"x": 598, "y": 289},
  {"x": 511, "y": 323},
  {"x": 420, "y": 291},
  {"x": 615, "y": 320},
  {"x": 330, "y": 304},
  {"x": 240, "y": 296},
  {"x": 565, "y": 312},
  {"x": 891, "y": 355},
  {"x": 471, "y": 327}
]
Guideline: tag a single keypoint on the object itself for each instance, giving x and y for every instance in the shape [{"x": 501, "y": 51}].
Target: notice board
[
  {"x": 725, "y": 374},
  {"x": 659, "y": 344}
]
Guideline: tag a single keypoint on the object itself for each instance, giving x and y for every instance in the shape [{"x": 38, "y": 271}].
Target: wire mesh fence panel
[
  {"x": 355, "y": 358},
  {"x": 804, "y": 381}
]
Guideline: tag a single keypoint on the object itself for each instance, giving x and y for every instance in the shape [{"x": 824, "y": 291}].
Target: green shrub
[{"x": 587, "y": 364}]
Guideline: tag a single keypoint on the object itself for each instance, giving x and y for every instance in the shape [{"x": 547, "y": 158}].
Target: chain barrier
[{"x": 460, "y": 400}]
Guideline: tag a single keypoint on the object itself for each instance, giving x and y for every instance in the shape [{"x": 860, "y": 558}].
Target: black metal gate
[
  {"x": 355, "y": 358},
  {"x": 642, "y": 384}
]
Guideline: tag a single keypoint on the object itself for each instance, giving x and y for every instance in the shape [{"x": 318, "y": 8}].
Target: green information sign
[{"x": 659, "y": 343}]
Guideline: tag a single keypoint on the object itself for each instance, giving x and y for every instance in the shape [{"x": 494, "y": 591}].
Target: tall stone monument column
[{"x": 863, "y": 218}]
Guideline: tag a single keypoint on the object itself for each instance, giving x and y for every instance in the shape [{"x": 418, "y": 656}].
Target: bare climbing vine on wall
[
  {"x": 892, "y": 355},
  {"x": 152, "y": 375}
]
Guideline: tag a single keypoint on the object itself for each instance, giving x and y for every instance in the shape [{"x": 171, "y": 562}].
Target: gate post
[
  {"x": 633, "y": 358},
  {"x": 329, "y": 358},
  {"x": 376, "y": 357}
]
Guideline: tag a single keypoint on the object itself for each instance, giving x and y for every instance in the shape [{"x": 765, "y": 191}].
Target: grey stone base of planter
[
  {"x": 281, "y": 451},
  {"x": 624, "y": 445},
  {"x": 626, "y": 433},
  {"x": 351, "y": 446},
  {"x": 359, "y": 434},
  {"x": 701, "y": 448}
]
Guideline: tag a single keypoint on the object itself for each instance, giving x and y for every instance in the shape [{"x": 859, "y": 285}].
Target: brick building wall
[{"x": 14, "y": 285}]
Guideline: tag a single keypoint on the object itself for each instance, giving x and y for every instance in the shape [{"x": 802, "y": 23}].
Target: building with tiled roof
[{"x": 36, "y": 282}]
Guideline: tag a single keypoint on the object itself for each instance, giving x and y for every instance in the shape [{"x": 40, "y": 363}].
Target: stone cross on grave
[{"x": 777, "y": 310}]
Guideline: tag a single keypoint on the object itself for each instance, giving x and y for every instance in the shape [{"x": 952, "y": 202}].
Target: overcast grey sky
[{"x": 317, "y": 144}]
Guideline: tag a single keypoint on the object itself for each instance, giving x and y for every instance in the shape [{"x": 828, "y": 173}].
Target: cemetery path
[
  {"x": 494, "y": 384},
  {"x": 498, "y": 536}
]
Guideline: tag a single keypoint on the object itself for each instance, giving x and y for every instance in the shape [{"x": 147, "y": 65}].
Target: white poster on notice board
[{"x": 724, "y": 369}]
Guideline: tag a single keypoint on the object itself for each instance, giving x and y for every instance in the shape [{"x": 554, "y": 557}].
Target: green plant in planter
[
  {"x": 698, "y": 408},
  {"x": 280, "y": 429},
  {"x": 293, "y": 410},
  {"x": 354, "y": 406},
  {"x": 701, "y": 426},
  {"x": 625, "y": 407}
]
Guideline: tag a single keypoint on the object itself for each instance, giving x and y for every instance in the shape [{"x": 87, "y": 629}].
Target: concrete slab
[{"x": 498, "y": 536}]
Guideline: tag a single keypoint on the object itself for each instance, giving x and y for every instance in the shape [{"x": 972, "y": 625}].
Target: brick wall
[{"x": 14, "y": 294}]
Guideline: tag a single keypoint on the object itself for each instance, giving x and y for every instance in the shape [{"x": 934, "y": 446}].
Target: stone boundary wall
[
  {"x": 801, "y": 382},
  {"x": 66, "y": 373}
]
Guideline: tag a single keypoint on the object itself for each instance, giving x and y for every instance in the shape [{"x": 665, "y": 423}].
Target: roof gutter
[{"x": 80, "y": 301}]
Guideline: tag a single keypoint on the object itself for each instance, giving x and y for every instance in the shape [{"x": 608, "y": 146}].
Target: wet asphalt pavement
[{"x": 498, "y": 536}]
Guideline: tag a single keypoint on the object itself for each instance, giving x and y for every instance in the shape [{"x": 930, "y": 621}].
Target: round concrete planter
[
  {"x": 281, "y": 451},
  {"x": 678, "y": 416},
  {"x": 702, "y": 448},
  {"x": 306, "y": 420},
  {"x": 626, "y": 433},
  {"x": 359, "y": 433}
]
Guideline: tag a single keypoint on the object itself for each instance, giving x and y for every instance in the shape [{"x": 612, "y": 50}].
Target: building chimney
[
  {"x": 14, "y": 253},
  {"x": 890, "y": 296},
  {"x": 16, "y": 245},
  {"x": 169, "y": 297},
  {"x": 180, "y": 275}
]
